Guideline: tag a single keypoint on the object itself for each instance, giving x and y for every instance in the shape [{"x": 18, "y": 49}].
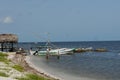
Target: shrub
[
  {"x": 32, "y": 77},
  {"x": 3, "y": 54},
  {"x": 3, "y": 74},
  {"x": 18, "y": 67},
  {"x": 3, "y": 58}
]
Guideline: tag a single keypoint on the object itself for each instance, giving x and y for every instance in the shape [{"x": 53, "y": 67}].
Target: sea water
[{"x": 81, "y": 66}]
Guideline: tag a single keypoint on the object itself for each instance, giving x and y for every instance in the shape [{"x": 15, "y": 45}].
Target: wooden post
[
  {"x": 2, "y": 46},
  {"x": 58, "y": 56},
  {"x": 47, "y": 54},
  {"x": 12, "y": 46}
]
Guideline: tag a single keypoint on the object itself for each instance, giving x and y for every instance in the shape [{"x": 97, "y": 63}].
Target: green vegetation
[
  {"x": 18, "y": 67},
  {"x": 3, "y": 54},
  {"x": 32, "y": 77},
  {"x": 5, "y": 69},
  {"x": 3, "y": 58},
  {"x": 3, "y": 74}
]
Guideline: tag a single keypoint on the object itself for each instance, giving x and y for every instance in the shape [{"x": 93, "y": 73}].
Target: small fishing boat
[{"x": 49, "y": 51}]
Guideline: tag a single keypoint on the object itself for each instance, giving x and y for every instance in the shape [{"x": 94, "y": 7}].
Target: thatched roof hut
[
  {"x": 8, "y": 38},
  {"x": 7, "y": 42}
]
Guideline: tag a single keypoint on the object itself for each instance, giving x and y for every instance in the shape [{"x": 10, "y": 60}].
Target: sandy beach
[
  {"x": 7, "y": 69},
  {"x": 25, "y": 63},
  {"x": 29, "y": 67},
  {"x": 42, "y": 70}
]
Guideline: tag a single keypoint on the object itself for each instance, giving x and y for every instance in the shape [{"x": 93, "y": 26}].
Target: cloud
[{"x": 6, "y": 20}]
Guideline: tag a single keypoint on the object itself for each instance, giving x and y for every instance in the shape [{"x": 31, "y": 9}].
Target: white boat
[
  {"x": 60, "y": 51},
  {"x": 51, "y": 50}
]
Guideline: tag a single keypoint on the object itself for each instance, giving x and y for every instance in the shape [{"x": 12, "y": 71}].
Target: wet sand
[{"x": 40, "y": 70}]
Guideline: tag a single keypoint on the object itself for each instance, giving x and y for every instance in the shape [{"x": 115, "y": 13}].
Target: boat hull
[{"x": 60, "y": 51}]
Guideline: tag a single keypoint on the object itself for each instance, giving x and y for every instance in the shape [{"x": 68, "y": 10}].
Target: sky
[{"x": 61, "y": 20}]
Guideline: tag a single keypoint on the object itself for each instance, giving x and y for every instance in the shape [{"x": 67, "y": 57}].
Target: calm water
[{"x": 93, "y": 65}]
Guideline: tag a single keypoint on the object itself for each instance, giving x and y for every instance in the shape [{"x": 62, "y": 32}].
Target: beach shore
[
  {"x": 7, "y": 72},
  {"x": 40, "y": 64},
  {"x": 39, "y": 70},
  {"x": 30, "y": 67},
  {"x": 22, "y": 60}
]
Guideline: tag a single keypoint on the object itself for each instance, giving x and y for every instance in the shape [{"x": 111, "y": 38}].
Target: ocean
[{"x": 81, "y": 66}]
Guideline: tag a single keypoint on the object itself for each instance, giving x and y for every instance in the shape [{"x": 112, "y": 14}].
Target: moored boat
[{"x": 50, "y": 51}]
